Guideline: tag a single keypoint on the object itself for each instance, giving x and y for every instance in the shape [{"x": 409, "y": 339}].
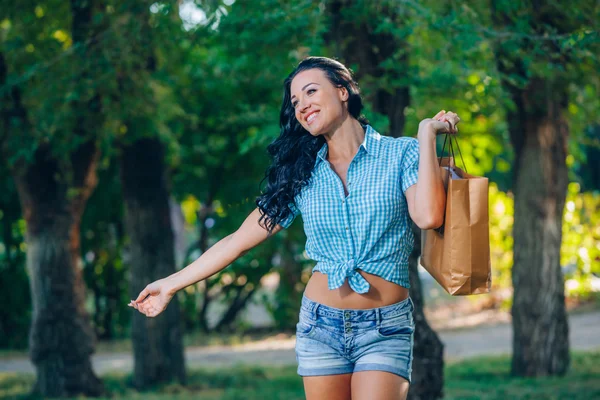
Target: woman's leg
[
  {"x": 329, "y": 387},
  {"x": 378, "y": 385}
]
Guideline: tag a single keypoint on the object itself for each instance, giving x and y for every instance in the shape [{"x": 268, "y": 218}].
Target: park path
[{"x": 481, "y": 340}]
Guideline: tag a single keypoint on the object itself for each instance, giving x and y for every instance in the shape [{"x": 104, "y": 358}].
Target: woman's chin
[{"x": 314, "y": 129}]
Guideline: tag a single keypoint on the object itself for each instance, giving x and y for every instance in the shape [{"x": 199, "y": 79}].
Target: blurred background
[{"x": 133, "y": 137}]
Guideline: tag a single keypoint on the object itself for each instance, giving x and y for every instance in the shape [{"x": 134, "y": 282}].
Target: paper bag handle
[
  {"x": 441, "y": 229},
  {"x": 451, "y": 151}
]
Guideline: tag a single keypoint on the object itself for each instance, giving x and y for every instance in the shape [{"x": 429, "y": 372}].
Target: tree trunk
[
  {"x": 428, "y": 359},
  {"x": 61, "y": 337},
  {"x": 538, "y": 133},
  {"x": 356, "y": 43},
  {"x": 157, "y": 342},
  {"x": 540, "y": 326}
]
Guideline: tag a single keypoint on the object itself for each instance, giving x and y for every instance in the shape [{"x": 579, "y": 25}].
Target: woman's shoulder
[
  {"x": 405, "y": 141},
  {"x": 399, "y": 145}
]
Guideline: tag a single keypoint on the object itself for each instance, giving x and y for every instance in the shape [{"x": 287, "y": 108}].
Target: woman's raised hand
[
  {"x": 442, "y": 122},
  {"x": 153, "y": 299}
]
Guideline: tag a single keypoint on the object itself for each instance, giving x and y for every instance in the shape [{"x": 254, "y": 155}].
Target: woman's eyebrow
[{"x": 305, "y": 88}]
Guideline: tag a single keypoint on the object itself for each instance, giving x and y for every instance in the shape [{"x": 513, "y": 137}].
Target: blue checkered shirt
[{"x": 370, "y": 228}]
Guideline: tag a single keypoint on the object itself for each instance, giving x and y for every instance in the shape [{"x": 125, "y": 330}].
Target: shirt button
[
  {"x": 347, "y": 314},
  {"x": 346, "y": 228}
]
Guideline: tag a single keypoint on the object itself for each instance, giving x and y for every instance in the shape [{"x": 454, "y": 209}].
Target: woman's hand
[
  {"x": 442, "y": 122},
  {"x": 153, "y": 299}
]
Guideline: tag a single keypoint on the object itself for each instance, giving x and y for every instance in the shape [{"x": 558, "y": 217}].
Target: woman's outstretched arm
[{"x": 157, "y": 295}]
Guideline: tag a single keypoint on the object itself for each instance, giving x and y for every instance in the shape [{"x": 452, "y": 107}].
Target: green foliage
[
  {"x": 580, "y": 251},
  {"x": 231, "y": 99},
  {"x": 213, "y": 98},
  {"x": 501, "y": 239},
  {"x": 104, "y": 267},
  {"x": 15, "y": 314}
]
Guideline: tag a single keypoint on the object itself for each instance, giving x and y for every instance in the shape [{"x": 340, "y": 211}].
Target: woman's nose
[{"x": 303, "y": 106}]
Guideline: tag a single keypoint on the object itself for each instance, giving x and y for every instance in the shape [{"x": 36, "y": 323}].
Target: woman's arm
[
  {"x": 222, "y": 253},
  {"x": 156, "y": 296},
  {"x": 427, "y": 198}
]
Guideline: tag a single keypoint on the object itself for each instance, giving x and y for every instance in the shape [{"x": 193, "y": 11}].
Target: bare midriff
[{"x": 381, "y": 293}]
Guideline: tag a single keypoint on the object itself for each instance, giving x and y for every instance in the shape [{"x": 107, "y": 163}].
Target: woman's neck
[{"x": 344, "y": 141}]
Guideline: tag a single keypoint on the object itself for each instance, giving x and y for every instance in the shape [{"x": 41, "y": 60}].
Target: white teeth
[{"x": 312, "y": 116}]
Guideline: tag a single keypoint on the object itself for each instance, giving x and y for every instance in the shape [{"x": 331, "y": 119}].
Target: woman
[{"x": 356, "y": 191}]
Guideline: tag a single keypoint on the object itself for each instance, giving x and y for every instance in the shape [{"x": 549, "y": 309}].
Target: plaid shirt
[{"x": 370, "y": 228}]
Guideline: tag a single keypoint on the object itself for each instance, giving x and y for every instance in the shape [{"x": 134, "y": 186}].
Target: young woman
[{"x": 357, "y": 192}]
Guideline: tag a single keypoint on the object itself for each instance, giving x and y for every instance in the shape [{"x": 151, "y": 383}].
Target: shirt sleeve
[
  {"x": 410, "y": 163},
  {"x": 285, "y": 223}
]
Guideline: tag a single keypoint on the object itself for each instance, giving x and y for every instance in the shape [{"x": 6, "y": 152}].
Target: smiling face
[{"x": 319, "y": 106}]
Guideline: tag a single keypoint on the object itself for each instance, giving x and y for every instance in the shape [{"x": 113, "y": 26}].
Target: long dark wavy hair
[{"x": 294, "y": 152}]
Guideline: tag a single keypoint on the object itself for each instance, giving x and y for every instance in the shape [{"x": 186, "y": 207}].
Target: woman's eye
[{"x": 309, "y": 91}]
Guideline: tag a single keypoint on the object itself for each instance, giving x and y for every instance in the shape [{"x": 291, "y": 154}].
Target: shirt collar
[{"x": 371, "y": 144}]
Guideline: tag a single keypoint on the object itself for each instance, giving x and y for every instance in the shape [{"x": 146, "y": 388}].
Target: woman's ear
[{"x": 344, "y": 95}]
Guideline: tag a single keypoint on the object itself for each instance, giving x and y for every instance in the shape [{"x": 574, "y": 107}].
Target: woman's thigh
[
  {"x": 330, "y": 387},
  {"x": 378, "y": 385}
]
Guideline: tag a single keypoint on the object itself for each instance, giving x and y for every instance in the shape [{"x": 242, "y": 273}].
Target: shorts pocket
[
  {"x": 396, "y": 326},
  {"x": 305, "y": 328}
]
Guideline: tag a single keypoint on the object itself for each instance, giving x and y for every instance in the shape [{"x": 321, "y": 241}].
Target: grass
[
  {"x": 484, "y": 378},
  {"x": 488, "y": 378}
]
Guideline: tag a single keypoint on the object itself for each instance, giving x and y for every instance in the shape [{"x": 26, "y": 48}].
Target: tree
[
  {"x": 537, "y": 61},
  {"x": 144, "y": 173},
  {"x": 54, "y": 179}
]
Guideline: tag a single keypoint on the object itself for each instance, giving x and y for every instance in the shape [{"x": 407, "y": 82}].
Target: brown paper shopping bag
[{"x": 458, "y": 254}]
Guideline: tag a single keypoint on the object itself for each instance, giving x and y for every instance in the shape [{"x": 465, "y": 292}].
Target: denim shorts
[{"x": 333, "y": 341}]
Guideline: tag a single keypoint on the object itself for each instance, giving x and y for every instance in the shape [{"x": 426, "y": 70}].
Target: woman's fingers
[
  {"x": 146, "y": 306},
  {"x": 438, "y": 115},
  {"x": 142, "y": 295},
  {"x": 148, "y": 310},
  {"x": 450, "y": 129},
  {"x": 452, "y": 119}
]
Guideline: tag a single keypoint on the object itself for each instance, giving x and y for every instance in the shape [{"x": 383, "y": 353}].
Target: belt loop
[
  {"x": 315, "y": 309},
  {"x": 378, "y": 312}
]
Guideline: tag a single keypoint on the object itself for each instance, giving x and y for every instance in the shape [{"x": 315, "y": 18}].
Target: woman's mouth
[{"x": 312, "y": 117}]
